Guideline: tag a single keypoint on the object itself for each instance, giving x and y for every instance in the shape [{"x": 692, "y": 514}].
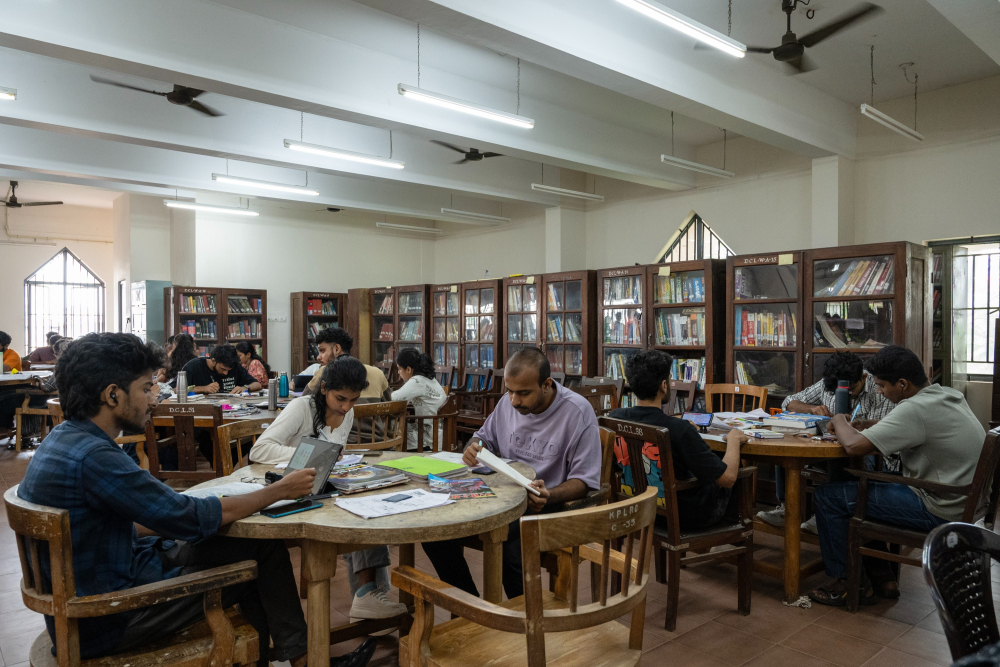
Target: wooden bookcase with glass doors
[
  {"x": 400, "y": 319},
  {"x": 216, "y": 316},
  {"x": 479, "y": 321},
  {"x": 312, "y": 312}
]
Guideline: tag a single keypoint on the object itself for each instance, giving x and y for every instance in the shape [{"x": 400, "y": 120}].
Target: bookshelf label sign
[
  {"x": 785, "y": 259},
  {"x": 521, "y": 280},
  {"x": 531, "y": 280},
  {"x": 618, "y": 272},
  {"x": 664, "y": 271},
  {"x": 767, "y": 259}
]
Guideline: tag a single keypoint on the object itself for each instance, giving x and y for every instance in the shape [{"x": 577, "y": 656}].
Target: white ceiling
[{"x": 68, "y": 194}]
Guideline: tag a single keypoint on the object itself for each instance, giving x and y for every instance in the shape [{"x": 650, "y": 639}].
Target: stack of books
[
  {"x": 244, "y": 329},
  {"x": 417, "y": 468},
  {"x": 794, "y": 421},
  {"x": 555, "y": 298},
  {"x": 355, "y": 479},
  {"x": 411, "y": 303},
  {"x": 385, "y": 308}
]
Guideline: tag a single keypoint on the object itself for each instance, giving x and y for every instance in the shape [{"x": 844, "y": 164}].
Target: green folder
[{"x": 421, "y": 466}]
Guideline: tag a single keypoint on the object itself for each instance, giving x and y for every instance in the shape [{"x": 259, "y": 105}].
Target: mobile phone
[
  {"x": 292, "y": 508},
  {"x": 396, "y": 498}
]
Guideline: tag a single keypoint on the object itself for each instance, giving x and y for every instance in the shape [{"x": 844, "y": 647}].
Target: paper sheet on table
[
  {"x": 493, "y": 461},
  {"x": 373, "y": 507},
  {"x": 230, "y": 489},
  {"x": 455, "y": 457}
]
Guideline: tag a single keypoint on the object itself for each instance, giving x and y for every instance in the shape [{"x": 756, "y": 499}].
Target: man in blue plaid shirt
[{"x": 105, "y": 386}]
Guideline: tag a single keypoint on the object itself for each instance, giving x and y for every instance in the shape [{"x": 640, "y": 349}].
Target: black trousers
[
  {"x": 270, "y": 602},
  {"x": 449, "y": 562}
]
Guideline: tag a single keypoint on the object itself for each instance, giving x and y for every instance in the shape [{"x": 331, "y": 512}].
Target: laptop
[{"x": 319, "y": 454}]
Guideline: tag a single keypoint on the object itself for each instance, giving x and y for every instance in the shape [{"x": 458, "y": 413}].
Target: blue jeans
[{"x": 894, "y": 504}]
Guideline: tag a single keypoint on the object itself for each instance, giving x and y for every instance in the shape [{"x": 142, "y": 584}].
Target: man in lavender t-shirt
[{"x": 545, "y": 426}]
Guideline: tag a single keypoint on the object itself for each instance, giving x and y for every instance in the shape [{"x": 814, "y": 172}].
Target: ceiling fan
[
  {"x": 792, "y": 48},
  {"x": 12, "y": 202},
  {"x": 471, "y": 155},
  {"x": 180, "y": 95}
]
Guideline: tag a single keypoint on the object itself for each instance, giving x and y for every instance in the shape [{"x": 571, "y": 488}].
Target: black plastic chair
[{"x": 956, "y": 563}]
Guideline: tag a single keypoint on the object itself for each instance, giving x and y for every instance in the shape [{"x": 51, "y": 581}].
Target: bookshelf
[
  {"x": 620, "y": 304},
  {"x": 446, "y": 326},
  {"x": 400, "y": 319},
  {"x": 197, "y": 311},
  {"x": 312, "y": 312},
  {"x": 569, "y": 333},
  {"x": 482, "y": 324},
  {"x": 246, "y": 318},
  {"x": 864, "y": 297},
  {"x": 383, "y": 327},
  {"x": 763, "y": 322},
  {"x": 522, "y": 313}
]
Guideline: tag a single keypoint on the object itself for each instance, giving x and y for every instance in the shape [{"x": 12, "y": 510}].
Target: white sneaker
[
  {"x": 376, "y": 604},
  {"x": 810, "y": 525},
  {"x": 775, "y": 517}
]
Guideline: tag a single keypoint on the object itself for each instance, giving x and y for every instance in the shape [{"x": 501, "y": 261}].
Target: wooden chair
[
  {"x": 445, "y": 375},
  {"x": 483, "y": 388},
  {"x": 25, "y": 364},
  {"x": 558, "y": 376},
  {"x": 558, "y": 630},
  {"x": 224, "y": 638},
  {"x": 55, "y": 411},
  {"x": 391, "y": 371},
  {"x": 386, "y": 431},
  {"x": 600, "y": 381},
  {"x": 680, "y": 392},
  {"x": 978, "y": 502},
  {"x": 723, "y": 397},
  {"x": 25, "y": 410},
  {"x": 603, "y": 398},
  {"x": 641, "y": 441},
  {"x": 442, "y": 427},
  {"x": 183, "y": 416}
]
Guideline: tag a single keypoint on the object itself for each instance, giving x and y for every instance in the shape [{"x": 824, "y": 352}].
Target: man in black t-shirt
[
  {"x": 648, "y": 375},
  {"x": 221, "y": 372}
]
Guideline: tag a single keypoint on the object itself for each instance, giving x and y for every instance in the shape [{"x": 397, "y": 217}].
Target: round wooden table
[
  {"x": 330, "y": 531},
  {"x": 791, "y": 452}
]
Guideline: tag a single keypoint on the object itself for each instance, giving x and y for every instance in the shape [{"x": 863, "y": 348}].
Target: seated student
[
  {"x": 937, "y": 438},
  {"x": 543, "y": 425},
  {"x": 648, "y": 375},
  {"x": 105, "y": 387},
  {"x": 45, "y": 355},
  {"x": 819, "y": 399},
  {"x": 253, "y": 362},
  {"x": 11, "y": 359},
  {"x": 328, "y": 415},
  {"x": 421, "y": 389},
  {"x": 181, "y": 352},
  {"x": 220, "y": 372},
  {"x": 334, "y": 343}
]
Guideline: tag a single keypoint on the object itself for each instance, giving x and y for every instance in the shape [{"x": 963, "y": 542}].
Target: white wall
[{"x": 518, "y": 247}]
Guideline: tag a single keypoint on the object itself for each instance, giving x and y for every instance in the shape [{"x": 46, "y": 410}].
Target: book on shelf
[
  {"x": 486, "y": 352},
  {"x": 385, "y": 308},
  {"x": 623, "y": 327},
  {"x": 684, "y": 328},
  {"x": 486, "y": 331},
  {"x": 451, "y": 327},
  {"x": 244, "y": 305},
  {"x": 321, "y": 307},
  {"x": 748, "y": 373},
  {"x": 681, "y": 289},
  {"x": 574, "y": 360},
  {"x": 530, "y": 332},
  {"x": 554, "y": 298},
  {"x": 205, "y": 350},
  {"x": 410, "y": 329},
  {"x": 385, "y": 333},
  {"x": 863, "y": 277},
  {"x": 249, "y": 328},
  {"x": 624, "y": 290},
  {"x": 555, "y": 358},
  {"x": 313, "y": 351},
  {"x": 832, "y": 332},
  {"x": 200, "y": 328},
  {"x": 573, "y": 332},
  {"x": 556, "y": 329},
  {"x": 689, "y": 370},
  {"x": 514, "y": 301},
  {"x": 765, "y": 329},
  {"x": 936, "y": 269},
  {"x": 198, "y": 303},
  {"x": 411, "y": 303},
  {"x": 315, "y": 327},
  {"x": 614, "y": 365}
]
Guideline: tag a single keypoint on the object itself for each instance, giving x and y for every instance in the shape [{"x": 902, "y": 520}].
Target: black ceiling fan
[
  {"x": 180, "y": 95},
  {"x": 792, "y": 48},
  {"x": 12, "y": 202},
  {"x": 471, "y": 155}
]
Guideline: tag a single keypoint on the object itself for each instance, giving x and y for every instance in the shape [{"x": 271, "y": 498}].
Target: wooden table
[
  {"x": 791, "y": 453},
  {"x": 328, "y": 532},
  {"x": 22, "y": 378}
]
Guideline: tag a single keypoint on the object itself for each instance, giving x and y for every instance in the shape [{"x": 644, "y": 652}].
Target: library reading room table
[
  {"x": 791, "y": 452},
  {"x": 329, "y": 531}
]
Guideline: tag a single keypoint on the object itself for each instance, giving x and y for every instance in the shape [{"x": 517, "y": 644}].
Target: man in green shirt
[{"x": 937, "y": 438}]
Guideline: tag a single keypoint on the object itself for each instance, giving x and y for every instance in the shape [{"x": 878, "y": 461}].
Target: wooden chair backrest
[
  {"x": 982, "y": 497},
  {"x": 55, "y": 411},
  {"x": 391, "y": 371},
  {"x": 558, "y": 376},
  {"x": 183, "y": 416},
  {"x": 734, "y": 397},
  {"x": 588, "y": 533},
  {"x": 444, "y": 375},
  {"x": 603, "y": 398},
  {"x": 680, "y": 390},
  {"x": 477, "y": 379},
  {"x": 608, "y": 439},
  {"x": 442, "y": 427},
  {"x": 387, "y": 430},
  {"x": 618, "y": 384}
]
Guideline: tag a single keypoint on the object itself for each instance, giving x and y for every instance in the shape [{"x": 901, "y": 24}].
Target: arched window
[
  {"x": 62, "y": 295},
  {"x": 693, "y": 240}
]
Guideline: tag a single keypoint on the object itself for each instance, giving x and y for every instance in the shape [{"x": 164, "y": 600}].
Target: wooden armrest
[
  {"x": 457, "y": 601},
  {"x": 239, "y": 429},
  {"x": 595, "y": 554},
  {"x": 161, "y": 591},
  {"x": 686, "y": 484},
  {"x": 748, "y": 471},
  {"x": 592, "y": 499},
  {"x": 911, "y": 481}
]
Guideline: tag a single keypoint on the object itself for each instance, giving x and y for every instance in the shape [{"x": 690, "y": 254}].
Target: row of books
[
  {"x": 479, "y": 356},
  {"x": 445, "y": 303},
  {"x": 523, "y": 328},
  {"x": 411, "y": 303},
  {"x": 570, "y": 332},
  {"x": 244, "y": 304},
  {"x": 248, "y": 328},
  {"x": 411, "y": 329},
  {"x": 198, "y": 303},
  {"x": 385, "y": 333},
  {"x": 689, "y": 370},
  {"x": 385, "y": 307},
  {"x": 836, "y": 332},
  {"x": 519, "y": 301},
  {"x": 623, "y": 290},
  {"x": 762, "y": 376},
  {"x": 446, "y": 329},
  {"x": 863, "y": 277},
  {"x": 205, "y": 350},
  {"x": 200, "y": 328},
  {"x": 623, "y": 327},
  {"x": 684, "y": 328},
  {"x": 554, "y": 299},
  {"x": 315, "y": 327},
  {"x": 565, "y": 360},
  {"x": 681, "y": 288},
  {"x": 614, "y": 365},
  {"x": 321, "y": 307},
  {"x": 765, "y": 329}
]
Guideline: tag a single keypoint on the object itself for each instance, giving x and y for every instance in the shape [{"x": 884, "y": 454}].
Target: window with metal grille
[
  {"x": 63, "y": 295},
  {"x": 976, "y": 306},
  {"x": 693, "y": 240}
]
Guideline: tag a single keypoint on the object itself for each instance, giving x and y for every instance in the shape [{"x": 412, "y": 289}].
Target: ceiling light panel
[
  {"x": 338, "y": 154},
  {"x": 209, "y": 208},
  {"x": 474, "y": 218},
  {"x": 8, "y": 94},
  {"x": 265, "y": 185},
  {"x": 695, "y": 166},
  {"x": 408, "y": 228},
  {"x": 690, "y": 27},
  {"x": 463, "y": 106},
  {"x": 890, "y": 122},
  {"x": 563, "y": 192}
]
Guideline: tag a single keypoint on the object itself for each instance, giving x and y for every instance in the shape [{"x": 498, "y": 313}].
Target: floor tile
[
  {"x": 782, "y": 656},
  {"x": 10, "y": 582},
  {"x": 21, "y": 620},
  {"x": 15, "y": 648},
  {"x": 653, "y": 631},
  {"x": 771, "y": 620},
  {"x": 924, "y": 644},
  {"x": 904, "y": 610},
  {"x": 724, "y": 643},
  {"x": 870, "y": 628},
  {"x": 672, "y": 653},
  {"x": 889, "y": 657},
  {"x": 832, "y": 646},
  {"x": 932, "y": 622}
]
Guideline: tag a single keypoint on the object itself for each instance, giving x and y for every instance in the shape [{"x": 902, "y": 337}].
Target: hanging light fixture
[
  {"x": 265, "y": 185},
  {"x": 869, "y": 111},
  {"x": 209, "y": 208},
  {"x": 340, "y": 154},
  {"x": 563, "y": 192},
  {"x": 408, "y": 228},
  {"x": 8, "y": 94},
  {"x": 474, "y": 218},
  {"x": 690, "y": 27},
  {"x": 695, "y": 166}
]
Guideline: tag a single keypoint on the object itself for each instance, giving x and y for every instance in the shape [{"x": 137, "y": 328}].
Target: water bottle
[
  {"x": 283, "y": 386},
  {"x": 272, "y": 394},
  {"x": 842, "y": 398},
  {"x": 182, "y": 386}
]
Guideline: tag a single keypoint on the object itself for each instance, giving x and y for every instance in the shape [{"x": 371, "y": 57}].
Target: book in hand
[
  {"x": 356, "y": 479},
  {"x": 461, "y": 489},
  {"x": 796, "y": 420},
  {"x": 419, "y": 467}
]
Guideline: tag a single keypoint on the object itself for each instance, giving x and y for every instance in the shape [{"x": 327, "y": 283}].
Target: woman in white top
[
  {"x": 329, "y": 415},
  {"x": 421, "y": 389}
]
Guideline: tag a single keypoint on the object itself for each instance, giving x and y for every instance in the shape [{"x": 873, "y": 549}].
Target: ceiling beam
[{"x": 978, "y": 19}]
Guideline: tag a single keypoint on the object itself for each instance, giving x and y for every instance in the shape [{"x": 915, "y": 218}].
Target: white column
[
  {"x": 565, "y": 239},
  {"x": 122, "y": 251},
  {"x": 182, "y": 247},
  {"x": 832, "y": 202}
]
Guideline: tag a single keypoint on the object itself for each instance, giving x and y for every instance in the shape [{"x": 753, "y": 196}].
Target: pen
[{"x": 854, "y": 414}]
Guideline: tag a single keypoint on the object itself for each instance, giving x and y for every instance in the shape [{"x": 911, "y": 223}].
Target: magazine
[{"x": 461, "y": 489}]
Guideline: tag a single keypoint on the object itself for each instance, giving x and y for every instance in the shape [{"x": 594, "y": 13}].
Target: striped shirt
[{"x": 873, "y": 404}]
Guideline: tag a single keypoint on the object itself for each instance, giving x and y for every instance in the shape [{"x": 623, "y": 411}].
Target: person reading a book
[
  {"x": 329, "y": 415},
  {"x": 545, "y": 426},
  {"x": 422, "y": 390},
  {"x": 334, "y": 343},
  {"x": 128, "y": 529},
  {"x": 648, "y": 375},
  {"x": 937, "y": 438},
  {"x": 220, "y": 372},
  {"x": 820, "y": 399},
  {"x": 254, "y": 364}
]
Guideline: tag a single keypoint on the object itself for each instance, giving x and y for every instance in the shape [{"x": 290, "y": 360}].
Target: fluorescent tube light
[
  {"x": 890, "y": 123},
  {"x": 480, "y": 218},
  {"x": 465, "y": 107},
  {"x": 264, "y": 185},
  {"x": 9, "y": 94},
  {"x": 702, "y": 33},
  {"x": 26, "y": 243},
  {"x": 566, "y": 193},
  {"x": 408, "y": 228},
  {"x": 209, "y": 208},
  {"x": 694, "y": 166},
  {"x": 342, "y": 155}
]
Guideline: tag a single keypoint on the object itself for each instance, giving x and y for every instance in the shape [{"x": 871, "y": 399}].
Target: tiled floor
[{"x": 709, "y": 631}]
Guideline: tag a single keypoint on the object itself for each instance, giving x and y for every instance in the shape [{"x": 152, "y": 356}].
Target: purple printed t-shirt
[{"x": 561, "y": 443}]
